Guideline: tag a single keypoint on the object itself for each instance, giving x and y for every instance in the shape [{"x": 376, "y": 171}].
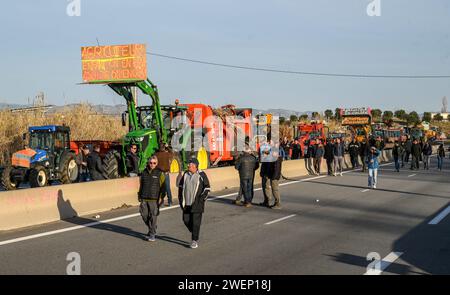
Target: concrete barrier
[{"x": 27, "y": 207}]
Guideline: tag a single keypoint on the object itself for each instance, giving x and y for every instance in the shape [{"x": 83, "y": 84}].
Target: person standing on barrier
[
  {"x": 247, "y": 164},
  {"x": 193, "y": 191},
  {"x": 440, "y": 156},
  {"x": 426, "y": 151},
  {"x": 328, "y": 155},
  {"x": 396, "y": 153},
  {"x": 151, "y": 190},
  {"x": 415, "y": 152},
  {"x": 373, "y": 165},
  {"x": 165, "y": 157},
  {"x": 338, "y": 153},
  {"x": 318, "y": 155},
  {"x": 353, "y": 150}
]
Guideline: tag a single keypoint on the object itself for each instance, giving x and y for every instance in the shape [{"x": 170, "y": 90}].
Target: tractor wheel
[
  {"x": 38, "y": 177},
  {"x": 7, "y": 183},
  {"x": 203, "y": 158},
  {"x": 111, "y": 164},
  {"x": 176, "y": 165},
  {"x": 68, "y": 168}
]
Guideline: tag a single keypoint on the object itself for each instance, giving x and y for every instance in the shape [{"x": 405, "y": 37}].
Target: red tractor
[{"x": 310, "y": 132}]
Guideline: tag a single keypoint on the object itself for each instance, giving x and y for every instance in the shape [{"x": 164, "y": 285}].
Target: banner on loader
[
  {"x": 356, "y": 120},
  {"x": 114, "y": 63}
]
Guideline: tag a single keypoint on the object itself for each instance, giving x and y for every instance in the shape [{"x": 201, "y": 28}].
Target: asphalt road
[{"x": 328, "y": 225}]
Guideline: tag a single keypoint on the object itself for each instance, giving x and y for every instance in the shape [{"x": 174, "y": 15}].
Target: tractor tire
[
  {"x": 68, "y": 168},
  {"x": 111, "y": 164},
  {"x": 6, "y": 181},
  {"x": 38, "y": 177},
  {"x": 176, "y": 165}
]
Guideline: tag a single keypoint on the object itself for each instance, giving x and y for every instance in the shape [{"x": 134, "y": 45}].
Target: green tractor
[
  {"x": 149, "y": 128},
  {"x": 48, "y": 157}
]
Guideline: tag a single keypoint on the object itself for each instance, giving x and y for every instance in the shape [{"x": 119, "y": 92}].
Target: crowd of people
[{"x": 194, "y": 186}]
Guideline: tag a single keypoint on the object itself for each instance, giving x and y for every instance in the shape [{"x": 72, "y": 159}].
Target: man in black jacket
[
  {"x": 94, "y": 164},
  {"x": 193, "y": 190},
  {"x": 353, "y": 150},
  {"x": 132, "y": 161},
  {"x": 363, "y": 153},
  {"x": 416, "y": 152},
  {"x": 271, "y": 174},
  {"x": 329, "y": 156},
  {"x": 246, "y": 165},
  {"x": 296, "y": 150},
  {"x": 151, "y": 191}
]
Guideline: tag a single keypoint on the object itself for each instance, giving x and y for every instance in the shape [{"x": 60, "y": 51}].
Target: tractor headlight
[{"x": 47, "y": 163}]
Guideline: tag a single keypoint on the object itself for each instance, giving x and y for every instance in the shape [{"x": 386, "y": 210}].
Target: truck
[
  {"x": 358, "y": 120},
  {"x": 312, "y": 131}
]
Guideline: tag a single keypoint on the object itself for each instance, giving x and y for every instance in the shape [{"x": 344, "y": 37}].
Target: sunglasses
[{"x": 153, "y": 163}]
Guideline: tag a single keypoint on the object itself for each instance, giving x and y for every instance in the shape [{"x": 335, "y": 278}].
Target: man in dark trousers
[
  {"x": 132, "y": 161},
  {"x": 353, "y": 150},
  {"x": 151, "y": 190},
  {"x": 271, "y": 174},
  {"x": 427, "y": 151},
  {"x": 94, "y": 164},
  {"x": 363, "y": 153},
  {"x": 329, "y": 156},
  {"x": 164, "y": 160},
  {"x": 318, "y": 155},
  {"x": 193, "y": 191},
  {"x": 296, "y": 150},
  {"x": 246, "y": 165},
  {"x": 416, "y": 152}
]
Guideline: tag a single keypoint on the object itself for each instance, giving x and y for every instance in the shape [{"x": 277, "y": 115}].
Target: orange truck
[{"x": 309, "y": 132}]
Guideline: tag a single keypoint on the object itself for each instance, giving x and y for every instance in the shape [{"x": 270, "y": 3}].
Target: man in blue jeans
[{"x": 373, "y": 165}]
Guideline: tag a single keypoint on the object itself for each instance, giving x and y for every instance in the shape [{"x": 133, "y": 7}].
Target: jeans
[
  {"x": 397, "y": 163},
  {"x": 440, "y": 160},
  {"x": 373, "y": 174},
  {"x": 426, "y": 162},
  {"x": 168, "y": 191},
  {"x": 246, "y": 187},
  {"x": 338, "y": 161}
]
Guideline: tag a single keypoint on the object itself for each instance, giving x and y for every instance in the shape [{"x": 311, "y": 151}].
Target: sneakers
[
  {"x": 247, "y": 205},
  {"x": 335, "y": 174},
  {"x": 340, "y": 174},
  {"x": 276, "y": 206},
  {"x": 374, "y": 186},
  {"x": 150, "y": 238},
  {"x": 237, "y": 202},
  {"x": 264, "y": 204},
  {"x": 194, "y": 245}
]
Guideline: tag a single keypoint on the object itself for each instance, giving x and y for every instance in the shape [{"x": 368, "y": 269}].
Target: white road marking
[
  {"x": 385, "y": 262},
  {"x": 365, "y": 190},
  {"x": 440, "y": 216},
  {"x": 412, "y": 175},
  {"x": 91, "y": 224},
  {"x": 279, "y": 219}
]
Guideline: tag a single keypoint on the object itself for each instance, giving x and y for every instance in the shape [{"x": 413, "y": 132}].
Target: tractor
[{"x": 47, "y": 157}]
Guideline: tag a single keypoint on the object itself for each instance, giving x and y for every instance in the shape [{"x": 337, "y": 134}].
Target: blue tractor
[{"x": 46, "y": 158}]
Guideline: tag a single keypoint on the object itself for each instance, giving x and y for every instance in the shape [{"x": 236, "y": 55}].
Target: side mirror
[{"x": 124, "y": 119}]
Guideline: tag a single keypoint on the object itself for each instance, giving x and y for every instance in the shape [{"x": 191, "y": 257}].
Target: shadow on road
[{"x": 68, "y": 214}]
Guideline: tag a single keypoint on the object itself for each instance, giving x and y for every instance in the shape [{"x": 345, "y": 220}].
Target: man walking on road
[
  {"x": 353, "y": 150},
  {"x": 246, "y": 165},
  {"x": 329, "y": 157},
  {"x": 193, "y": 191},
  {"x": 151, "y": 190},
  {"x": 440, "y": 156},
  {"x": 416, "y": 151},
  {"x": 363, "y": 152},
  {"x": 338, "y": 153},
  {"x": 271, "y": 174},
  {"x": 373, "y": 165},
  {"x": 397, "y": 153},
  {"x": 427, "y": 151},
  {"x": 318, "y": 154}
]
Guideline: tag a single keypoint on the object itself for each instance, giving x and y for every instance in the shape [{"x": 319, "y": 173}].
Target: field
[{"x": 84, "y": 122}]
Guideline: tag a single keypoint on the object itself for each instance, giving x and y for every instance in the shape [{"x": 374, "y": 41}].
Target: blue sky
[{"x": 40, "y": 51}]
